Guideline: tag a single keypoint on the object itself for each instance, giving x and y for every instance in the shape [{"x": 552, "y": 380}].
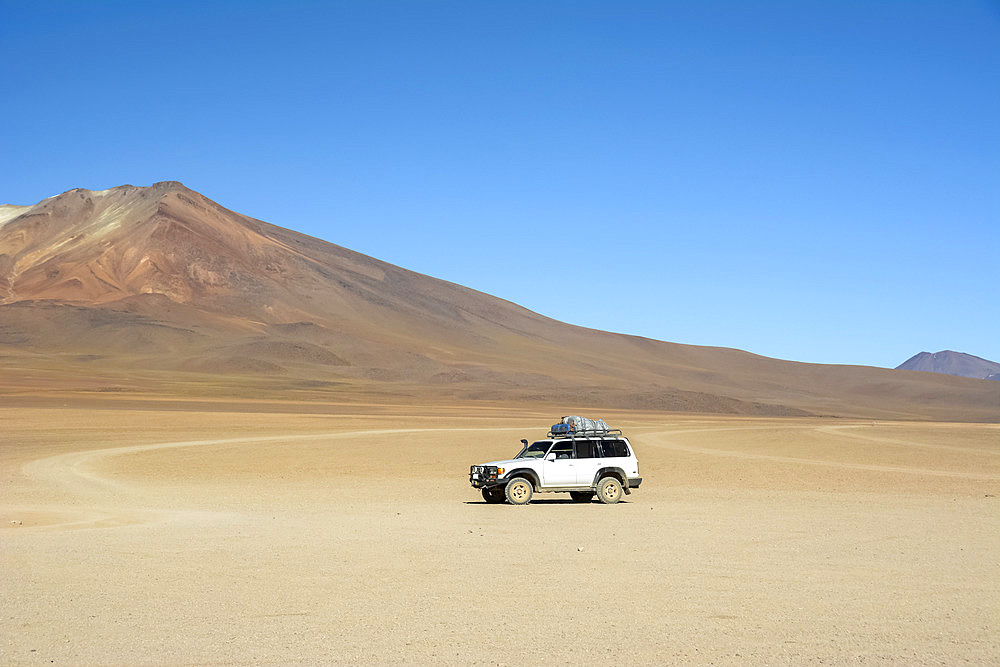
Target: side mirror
[{"x": 550, "y": 457}]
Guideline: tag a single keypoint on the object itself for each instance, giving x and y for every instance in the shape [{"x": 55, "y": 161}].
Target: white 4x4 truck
[{"x": 583, "y": 463}]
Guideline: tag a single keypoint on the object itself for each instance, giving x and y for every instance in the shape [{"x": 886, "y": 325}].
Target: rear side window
[
  {"x": 614, "y": 448},
  {"x": 585, "y": 449}
]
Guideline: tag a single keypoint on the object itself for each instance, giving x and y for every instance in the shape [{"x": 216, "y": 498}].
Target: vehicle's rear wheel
[
  {"x": 581, "y": 496},
  {"x": 519, "y": 491},
  {"x": 493, "y": 495},
  {"x": 609, "y": 491}
]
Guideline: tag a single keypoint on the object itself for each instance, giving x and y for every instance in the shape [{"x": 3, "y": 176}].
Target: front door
[{"x": 561, "y": 471}]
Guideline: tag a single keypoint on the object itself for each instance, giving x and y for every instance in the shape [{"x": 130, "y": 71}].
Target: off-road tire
[
  {"x": 494, "y": 495},
  {"x": 519, "y": 491},
  {"x": 609, "y": 490},
  {"x": 581, "y": 496}
]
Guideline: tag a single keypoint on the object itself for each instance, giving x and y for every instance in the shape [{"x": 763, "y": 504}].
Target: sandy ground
[{"x": 183, "y": 537}]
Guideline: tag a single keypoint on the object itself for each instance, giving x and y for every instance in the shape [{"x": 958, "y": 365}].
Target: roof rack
[{"x": 610, "y": 433}]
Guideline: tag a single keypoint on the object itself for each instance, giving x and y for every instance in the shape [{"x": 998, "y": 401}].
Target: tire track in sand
[
  {"x": 658, "y": 439},
  {"x": 849, "y": 431},
  {"x": 69, "y": 472}
]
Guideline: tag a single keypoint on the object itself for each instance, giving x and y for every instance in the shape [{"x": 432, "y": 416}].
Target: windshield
[{"x": 535, "y": 450}]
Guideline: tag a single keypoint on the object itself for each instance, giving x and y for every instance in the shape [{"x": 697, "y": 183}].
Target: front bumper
[{"x": 484, "y": 476}]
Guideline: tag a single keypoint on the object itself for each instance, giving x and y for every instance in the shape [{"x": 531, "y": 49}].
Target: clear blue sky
[{"x": 817, "y": 181}]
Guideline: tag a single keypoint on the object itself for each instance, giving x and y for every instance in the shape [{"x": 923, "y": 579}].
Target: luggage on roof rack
[
  {"x": 578, "y": 426},
  {"x": 583, "y": 424}
]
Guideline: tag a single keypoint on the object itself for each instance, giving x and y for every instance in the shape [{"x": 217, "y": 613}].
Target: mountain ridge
[{"x": 164, "y": 283}]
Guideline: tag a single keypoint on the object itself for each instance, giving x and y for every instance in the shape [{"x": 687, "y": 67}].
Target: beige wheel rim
[
  {"x": 519, "y": 492},
  {"x": 612, "y": 491}
]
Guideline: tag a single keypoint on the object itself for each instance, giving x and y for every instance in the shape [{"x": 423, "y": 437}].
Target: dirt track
[{"x": 153, "y": 537}]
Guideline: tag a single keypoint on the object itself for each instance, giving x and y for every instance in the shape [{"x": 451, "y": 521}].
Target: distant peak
[{"x": 950, "y": 362}]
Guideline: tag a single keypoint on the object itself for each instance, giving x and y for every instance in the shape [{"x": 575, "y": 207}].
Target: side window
[
  {"x": 585, "y": 449},
  {"x": 562, "y": 449},
  {"x": 614, "y": 448}
]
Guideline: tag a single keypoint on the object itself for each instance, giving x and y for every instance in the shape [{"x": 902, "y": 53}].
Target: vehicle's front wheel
[
  {"x": 519, "y": 491},
  {"x": 609, "y": 491},
  {"x": 493, "y": 495},
  {"x": 581, "y": 496}
]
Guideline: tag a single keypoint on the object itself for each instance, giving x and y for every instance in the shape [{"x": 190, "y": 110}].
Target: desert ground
[{"x": 185, "y": 533}]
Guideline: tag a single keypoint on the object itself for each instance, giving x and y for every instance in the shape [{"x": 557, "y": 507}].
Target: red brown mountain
[{"x": 161, "y": 289}]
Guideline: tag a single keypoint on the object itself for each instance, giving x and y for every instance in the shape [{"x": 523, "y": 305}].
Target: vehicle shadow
[{"x": 547, "y": 501}]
